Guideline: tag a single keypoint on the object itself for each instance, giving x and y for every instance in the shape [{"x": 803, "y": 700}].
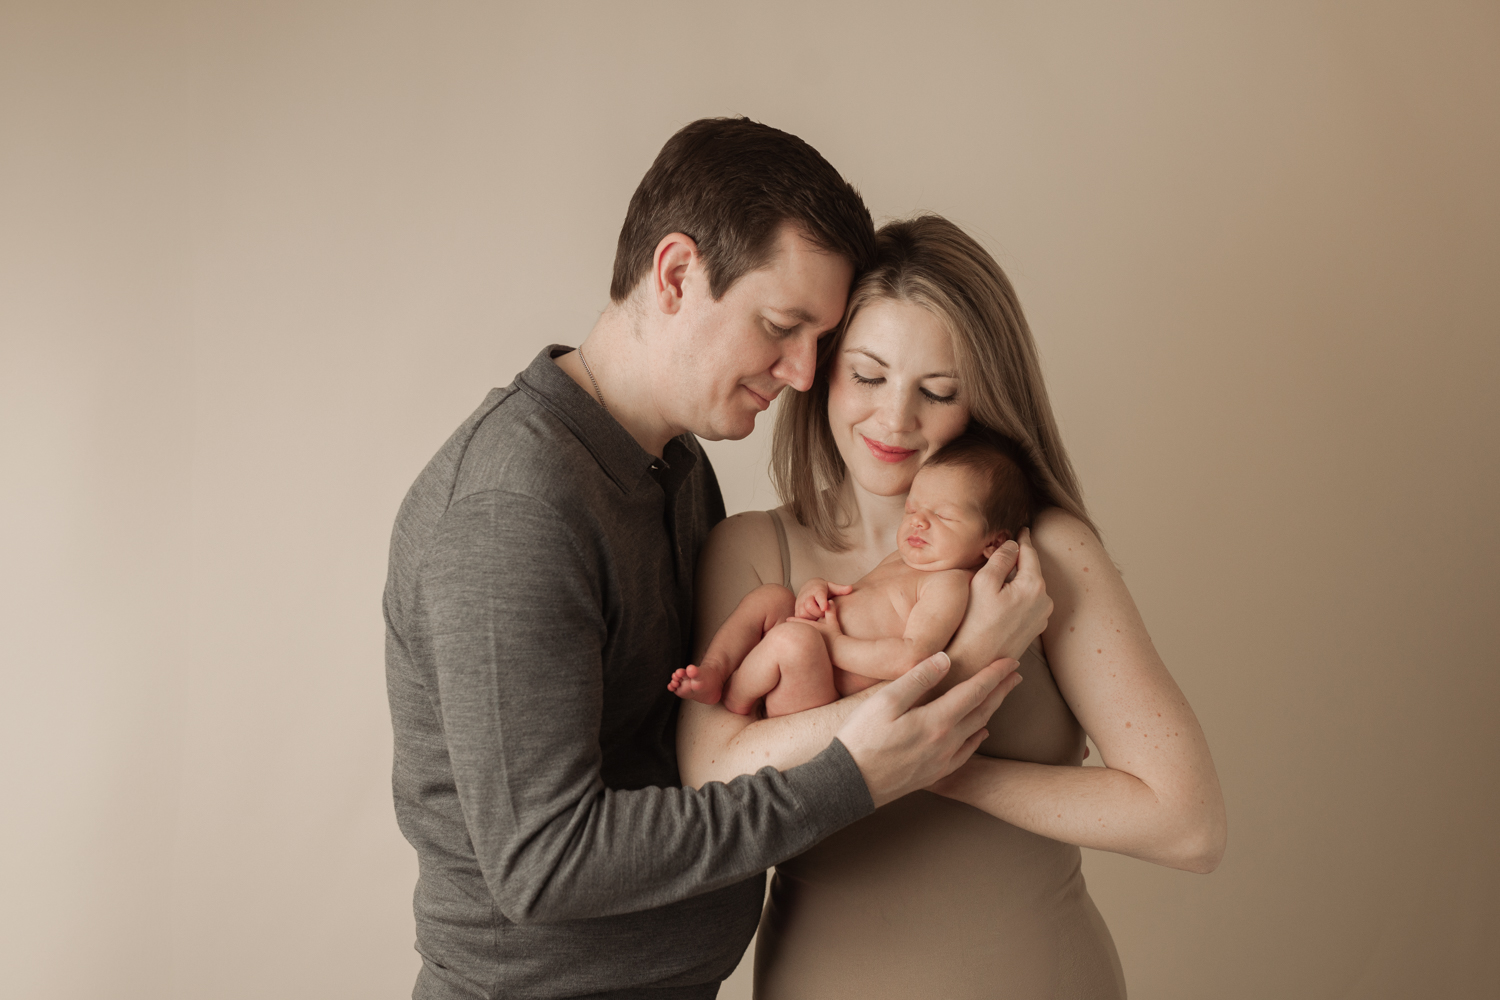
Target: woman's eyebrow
[
  {"x": 953, "y": 375},
  {"x": 869, "y": 354}
]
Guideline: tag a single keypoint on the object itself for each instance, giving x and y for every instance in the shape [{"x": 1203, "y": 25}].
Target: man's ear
[
  {"x": 999, "y": 539},
  {"x": 669, "y": 268}
]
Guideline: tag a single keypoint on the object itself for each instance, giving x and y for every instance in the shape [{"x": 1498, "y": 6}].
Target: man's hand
[
  {"x": 900, "y": 748},
  {"x": 814, "y": 597},
  {"x": 1008, "y": 607}
]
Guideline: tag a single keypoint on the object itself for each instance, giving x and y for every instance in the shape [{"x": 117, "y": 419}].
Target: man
[{"x": 540, "y": 596}]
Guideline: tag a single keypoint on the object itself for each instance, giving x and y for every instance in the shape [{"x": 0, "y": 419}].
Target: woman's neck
[{"x": 873, "y": 520}]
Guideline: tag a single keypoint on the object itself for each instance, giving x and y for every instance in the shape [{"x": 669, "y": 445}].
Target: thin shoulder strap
[{"x": 786, "y": 551}]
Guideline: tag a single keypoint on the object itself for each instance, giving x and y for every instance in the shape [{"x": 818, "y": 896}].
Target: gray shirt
[{"x": 540, "y": 596}]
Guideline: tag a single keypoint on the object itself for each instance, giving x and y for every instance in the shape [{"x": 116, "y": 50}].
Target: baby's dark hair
[{"x": 1010, "y": 498}]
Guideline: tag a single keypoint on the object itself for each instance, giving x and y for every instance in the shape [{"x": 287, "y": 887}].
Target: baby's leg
[
  {"x": 790, "y": 669},
  {"x": 760, "y": 611}
]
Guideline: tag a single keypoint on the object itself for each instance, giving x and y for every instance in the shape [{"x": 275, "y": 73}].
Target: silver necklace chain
[{"x": 593, "y": 380}]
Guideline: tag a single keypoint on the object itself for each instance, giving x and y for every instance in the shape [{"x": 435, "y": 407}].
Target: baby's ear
[{"x": 999, "y": 539}]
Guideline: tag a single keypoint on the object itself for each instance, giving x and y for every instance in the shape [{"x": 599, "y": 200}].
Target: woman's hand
[{"x": 1008, "y": 609}]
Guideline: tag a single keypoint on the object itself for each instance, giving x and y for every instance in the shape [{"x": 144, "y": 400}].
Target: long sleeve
[{"x": 516, "y": 623}]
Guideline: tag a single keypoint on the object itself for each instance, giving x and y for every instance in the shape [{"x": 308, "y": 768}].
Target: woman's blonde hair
[{"x": 930, "y": 262}]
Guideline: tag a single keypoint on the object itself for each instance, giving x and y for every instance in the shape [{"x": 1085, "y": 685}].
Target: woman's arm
[{"x": 1157, "y": 797}]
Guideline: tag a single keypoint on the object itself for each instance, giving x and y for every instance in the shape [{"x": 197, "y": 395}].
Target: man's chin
[{"x": 733, "y": 429}]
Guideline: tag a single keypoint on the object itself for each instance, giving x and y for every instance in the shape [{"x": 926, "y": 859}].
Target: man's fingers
[
  {"x": 967, "y": 750},
  {"x": 904, "y": 692},
  {"x": 987, "y": 707},
  {"x": 972, "y": 696}
]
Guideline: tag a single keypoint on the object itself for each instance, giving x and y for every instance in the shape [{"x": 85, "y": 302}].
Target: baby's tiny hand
[
  {"x": 816, "y": 596},
  {"x": 829, "y": 623},
  {"x": 812, "y": 600}
]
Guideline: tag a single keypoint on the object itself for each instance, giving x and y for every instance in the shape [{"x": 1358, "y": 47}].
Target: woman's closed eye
[
  {"x": 862, "y": 380},
  {"x": 952, "y": 397}
]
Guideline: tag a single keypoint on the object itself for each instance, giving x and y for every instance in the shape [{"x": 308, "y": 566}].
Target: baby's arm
[
  {"x": 942, "y": 598},
  {"x": 760, "y": 611}
]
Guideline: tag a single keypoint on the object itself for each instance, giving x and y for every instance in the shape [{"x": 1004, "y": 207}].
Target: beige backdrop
[{"x": 258, "y": 259}]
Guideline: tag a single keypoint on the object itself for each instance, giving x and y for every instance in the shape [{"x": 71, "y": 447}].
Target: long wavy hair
[{"x": 930, "y": 262}]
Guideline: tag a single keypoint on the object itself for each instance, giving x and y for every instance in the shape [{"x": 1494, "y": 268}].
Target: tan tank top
[{"x": 931, "y": 898}]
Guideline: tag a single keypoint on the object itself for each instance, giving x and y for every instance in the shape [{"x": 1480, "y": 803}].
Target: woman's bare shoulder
[
  {"x": 1062, "y": 538},
  {"x": 745, "y": 538}
]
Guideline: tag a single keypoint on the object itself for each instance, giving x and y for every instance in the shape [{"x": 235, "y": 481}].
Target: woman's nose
[{"x": 899, "y": 415}]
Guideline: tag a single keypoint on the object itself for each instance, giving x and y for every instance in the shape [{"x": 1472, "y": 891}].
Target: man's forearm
[{"x": 516, "y": 646}]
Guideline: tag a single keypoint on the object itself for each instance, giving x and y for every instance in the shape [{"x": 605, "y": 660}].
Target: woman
[{"x": 974, "y": 891}]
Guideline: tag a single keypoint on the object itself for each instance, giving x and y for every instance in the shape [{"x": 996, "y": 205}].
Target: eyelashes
[{"x": 932, "y": 396}]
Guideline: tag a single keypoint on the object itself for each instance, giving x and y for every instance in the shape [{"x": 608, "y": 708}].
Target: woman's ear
[
  {"x": 997, "y": 540},
  {"x": 669, "y": 267}
]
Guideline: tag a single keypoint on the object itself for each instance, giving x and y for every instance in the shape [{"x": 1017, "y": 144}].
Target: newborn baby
[{"x": 965, "y": 501}]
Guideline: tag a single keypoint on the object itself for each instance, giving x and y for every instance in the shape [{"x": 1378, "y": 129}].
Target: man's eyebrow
[{"x": 800, "y": 315}]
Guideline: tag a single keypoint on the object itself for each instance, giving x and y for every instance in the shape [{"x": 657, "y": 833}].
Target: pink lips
[
  {"x": 916, "y": 541},
  {"x": 886, "y": 453}
]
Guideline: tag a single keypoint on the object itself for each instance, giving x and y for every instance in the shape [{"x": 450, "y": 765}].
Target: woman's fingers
[
  {"x": 1001, "y": 563},
  {"x": 1027, "y": 561}
]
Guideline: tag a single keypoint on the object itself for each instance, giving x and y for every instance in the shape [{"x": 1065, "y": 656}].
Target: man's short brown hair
[
  {"x": 1001, "y": 466},
  {"x": 730, "y": 183}
]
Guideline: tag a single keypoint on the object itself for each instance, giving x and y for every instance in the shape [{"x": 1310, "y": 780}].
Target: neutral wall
[{"x": 257, "y": 260}]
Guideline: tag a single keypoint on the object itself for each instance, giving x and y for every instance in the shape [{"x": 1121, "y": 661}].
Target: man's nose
[{"x": 798, "y": 361}]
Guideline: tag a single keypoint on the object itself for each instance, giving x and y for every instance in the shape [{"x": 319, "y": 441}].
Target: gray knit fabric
[{"x": 539, "y": 598}]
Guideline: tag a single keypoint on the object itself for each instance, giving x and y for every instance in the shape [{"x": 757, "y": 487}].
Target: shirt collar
[{"x": 620, "y": 456}]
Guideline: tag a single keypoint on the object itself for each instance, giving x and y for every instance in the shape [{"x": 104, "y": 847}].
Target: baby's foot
[{"x": 703, "y": 684}]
